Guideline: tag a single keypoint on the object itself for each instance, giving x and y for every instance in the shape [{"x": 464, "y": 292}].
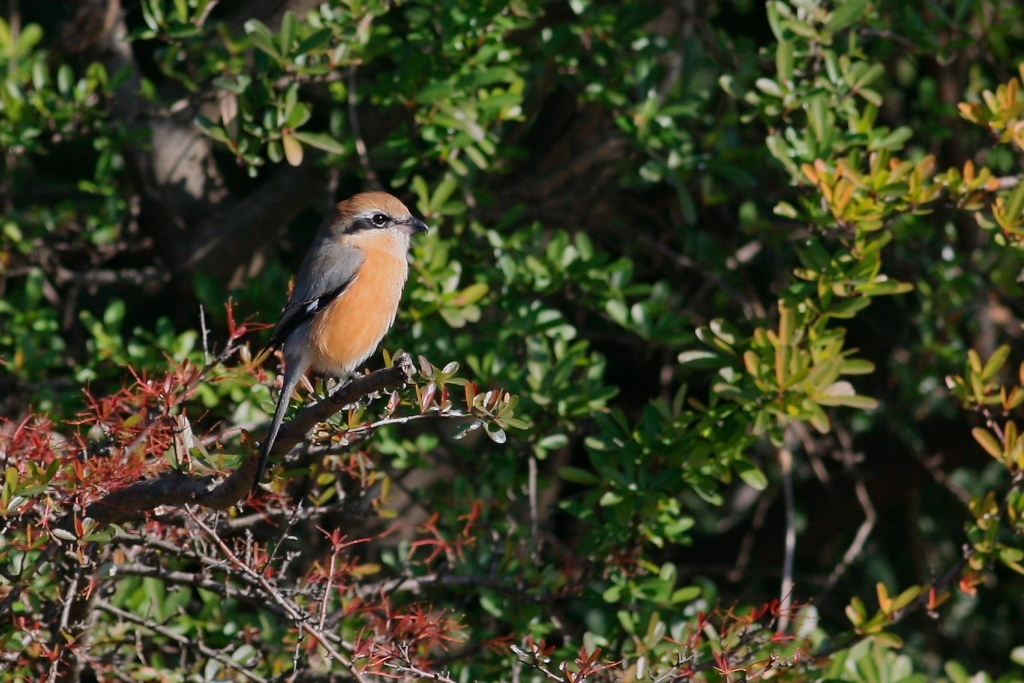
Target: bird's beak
[{"x": 412, "y": 226}]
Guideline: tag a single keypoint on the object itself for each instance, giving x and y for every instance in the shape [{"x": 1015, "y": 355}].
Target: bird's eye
[{"x": 379, "y": 220}]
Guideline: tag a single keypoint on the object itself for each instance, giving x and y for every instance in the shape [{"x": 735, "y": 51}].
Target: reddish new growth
[
  {"x": 451, "y": 549},
  {"x": 126, "y": 433},
  {"x": 33, "y": 451},
  {"x": 404, "y": 640}
]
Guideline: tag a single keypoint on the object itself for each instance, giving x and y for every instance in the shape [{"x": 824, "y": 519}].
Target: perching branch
[{"x": 214, "y": 492}]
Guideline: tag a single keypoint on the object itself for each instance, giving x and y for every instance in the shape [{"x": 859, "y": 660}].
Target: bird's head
[{"x": 372, "y": 214}]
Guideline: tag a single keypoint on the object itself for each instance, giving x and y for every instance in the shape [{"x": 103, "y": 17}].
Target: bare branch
[
  {"x": 298, "y": 618},
  {"x": 195, "y": 580},
  {"x": 126, "y": 277}
]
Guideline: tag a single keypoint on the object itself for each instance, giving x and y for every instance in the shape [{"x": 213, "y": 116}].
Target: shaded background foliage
[{"x": 613, "y": 243}]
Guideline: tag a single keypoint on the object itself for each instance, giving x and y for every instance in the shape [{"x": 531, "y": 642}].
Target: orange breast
[{"x": 347, "y": 332}]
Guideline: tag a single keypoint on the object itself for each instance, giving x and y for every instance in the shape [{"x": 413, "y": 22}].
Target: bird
[{"x": 345, "y": 297}]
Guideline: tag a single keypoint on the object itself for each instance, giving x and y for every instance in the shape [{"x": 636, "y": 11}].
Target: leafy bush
[{"x": 709, "y": 371}]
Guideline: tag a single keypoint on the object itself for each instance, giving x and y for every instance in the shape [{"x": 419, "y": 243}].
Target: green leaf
[
  {"x": 30, "y": 36},
  {"x": 775, "y": 21},
  {"x": 153, "y": 13},
  {"x": 492, "y": 603},
  {"x": 610, "y": 498},
  {"x": 893, "y": 141},
  {"x": 769, "y": 87},
  {"x": 817, "y": 417},
  {"x": 904, "y": 599},
  {"x": 315, "y": 41},
  {"x": 848, "y": 400},
  {"x": 1016, "y": 203},
  {"x": 212, "y": 130},
  {"x": 287, "y": 35},
  {"x": 871, "y": 96},
  {"x": 752, "y": 476},
  {"x": 577, "y": 475},
  {"x": 442, "y": 193},
  {"x": 553, "y": 441},
  {"x": 887, "y": 639},
  {"x": 320, "y": 141},
  {"x": 857, "y": 366},
  {"x": 995, "y": 363},
  {"x": 617, "y": 311},
  {"x": 262, "y": 38},
  {"x": 846, "y": 14},
  {"x": 702, "y": 359},
  {"x": 884, "y": 288},
  {"x": 292, "y": 149},
  {"x": 868, "y": 75},
  {"x": 784, "y": 61},
  {"x": 472, "y": 294},
  {"x": 686, "y": 594},
  {"x": 496, "y": 433},
  {"x": 181, "y": 9},
  {"x": 848, "y": 308},
  {"x": 989, "y": 442},
  {"x": 856, "y": 611},
  {"x": 782, "y": 151},
  {"x": 298, "y": 115}
]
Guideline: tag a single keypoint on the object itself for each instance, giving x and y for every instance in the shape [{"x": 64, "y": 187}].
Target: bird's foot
[{"x": 334, "y": 392}]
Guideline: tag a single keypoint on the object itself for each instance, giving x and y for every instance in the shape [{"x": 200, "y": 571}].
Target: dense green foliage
[{"x": 714, "y": 326}]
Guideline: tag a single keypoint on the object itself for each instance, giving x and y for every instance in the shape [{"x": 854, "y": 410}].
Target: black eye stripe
[{"x": 373, "y": 221}]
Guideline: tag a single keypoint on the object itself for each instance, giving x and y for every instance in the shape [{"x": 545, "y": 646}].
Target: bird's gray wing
[{"x": 325, "y": 274}]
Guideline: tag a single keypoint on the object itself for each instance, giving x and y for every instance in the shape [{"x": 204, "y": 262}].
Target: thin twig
[
  {"x": 751, "y": 309},
  {"x": 420, "y": 673},
  {"x": 786, "y": 592},
  {"x": 327, "y": 590},
  {"x": 534, "y": 512},
  {"x": 205, "y": 334},
  {"x": 357, "y": 133},
  {"x": 747, "y": 544},
  {"x": 864, "y": 498},
  {"x": 931, "y": 463},
  {"x": 860, "y": 538}
]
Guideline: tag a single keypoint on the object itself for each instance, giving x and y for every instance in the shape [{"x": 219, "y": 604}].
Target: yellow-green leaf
[{"x": 988, "y": 441}]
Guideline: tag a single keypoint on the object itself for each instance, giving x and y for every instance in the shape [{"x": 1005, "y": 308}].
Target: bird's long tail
[{"x": 291, "y": 380}]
